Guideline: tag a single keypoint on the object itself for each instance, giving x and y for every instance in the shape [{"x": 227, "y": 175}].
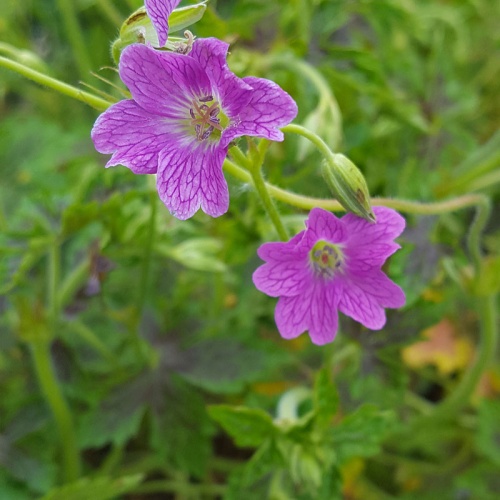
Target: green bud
[
  {"x": 138, "y": 27},
  {"x": 348, "y": 185}
]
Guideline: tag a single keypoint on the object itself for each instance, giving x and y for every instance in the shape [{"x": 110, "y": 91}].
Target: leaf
[
  {"x": 220, "y": 365},
  {"x": 182, "y": 432},
  {"x": 118, "y": 416},
  {"x": 326, "y": 399},
  {"x": 196, "y": 253},
  {"x": 443, "y": 349},
  {"x": 360, "y": 433},
  {"x": 97, "y": 488},
  {"x": 247, "y": 426}
]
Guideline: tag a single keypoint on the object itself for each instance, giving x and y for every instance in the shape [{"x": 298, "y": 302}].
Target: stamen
[
  {"x": 207, "y": 133},
  {"x": 191, "y": 112},
  {"x": 207, "y": 98}
]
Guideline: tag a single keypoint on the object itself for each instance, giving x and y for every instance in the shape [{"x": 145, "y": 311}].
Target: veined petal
[
  {"x": 234, "y": 93},
  {"x": 314, "y": 310},
  {"x": 323, "y": 225},
  {"x": 190, "y": 176},
  {"x": 269, "y": 108},
  {"x": 369, "y": 245},
  {"x": 280, "y": 251},
  {"x": 133, "y": 135},
  {"x": 324, "y": 315},
  {"x": 283, "y": 276},
  {"x": 389, "y": 225},
  {"x": 360, "y": 305},
  {"x": 163, "y": 83},
  {"x": 159, "y": 12},
  {"x": 379, "y": 286}
]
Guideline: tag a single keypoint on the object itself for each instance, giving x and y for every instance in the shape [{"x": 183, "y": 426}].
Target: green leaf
[
  {"x": 326, "y": 399},
  {"x": 196, "y": 253},
  {"x": 247, "y": 426},
  {"x": 360, "y": 433},
  {"x": 98, "y": 488},
  {"x": 220, "y": 365}
]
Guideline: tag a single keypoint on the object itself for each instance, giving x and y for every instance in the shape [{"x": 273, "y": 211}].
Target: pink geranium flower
[
  {"x": 159, "y": 12},
  {"x": 184, "y": 112},
  {"x": 333, "y": 265}
]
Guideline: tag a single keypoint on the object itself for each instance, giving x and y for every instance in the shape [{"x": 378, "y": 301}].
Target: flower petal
[
  {"x": 191, "y": 176},
  {"x": 234, "y": 93},
  {"x": 163, "y": 83},
  {"x": 315, "y": 310},
  {"x": 269, "y": 108},
  {"x": 379, "y": 286},
  {"x": 285, "y": 273},
  {"x": 364, "y": 297},
  {"x": 389, "y": 225},
  {"x": 370, "y": 244},
  {"x": 159, "y": 12},
  {"x": 323, "y": 225},
  {"x": 133, "y": 135}
]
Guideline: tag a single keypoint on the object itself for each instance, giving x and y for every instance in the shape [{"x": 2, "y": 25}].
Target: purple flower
[
  {"x": 159, "y": 12},
  {"x": 333, "y": 265},
  {"x": 184, "y": 112}
]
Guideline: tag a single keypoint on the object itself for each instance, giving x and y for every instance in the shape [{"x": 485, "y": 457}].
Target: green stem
[
  {"x": 311, "y": 136},
  {"x": 309, "y": 202},
  {"x": 140, "y": 345},
  {"x": 261, "y": 188},
  {"x": 148, "y": 253},
  {"x": 75, "y": 37},
  {"x": 253, "y": 163},
  {"x": 86, "y": 334},
  {"x": 62, "y": 415},
  {"x": 46, "y": 374},
  {"x": 54, "y": 84},
  {"x": 483, "y": 211}
]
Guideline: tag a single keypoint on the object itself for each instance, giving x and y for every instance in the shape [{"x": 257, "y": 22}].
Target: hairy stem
[{"x": 54, "y": 84}]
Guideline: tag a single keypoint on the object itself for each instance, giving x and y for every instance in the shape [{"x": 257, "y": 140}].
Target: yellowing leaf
[{"x": 444, "y": 349}]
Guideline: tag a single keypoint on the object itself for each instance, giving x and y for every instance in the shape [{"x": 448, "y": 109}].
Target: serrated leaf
[
  {"x": 360, "y": 433},
  {"x": 247, "y": 426},
  {"x": 97, "y": 488}
]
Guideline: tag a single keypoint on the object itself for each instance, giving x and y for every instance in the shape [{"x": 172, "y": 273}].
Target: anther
[{"x": 207, "y": 98}]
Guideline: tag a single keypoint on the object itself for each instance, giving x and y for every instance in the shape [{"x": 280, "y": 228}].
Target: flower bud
[
  {"x": 348, "y": 185},
  {"x": 138, "y": 27}
]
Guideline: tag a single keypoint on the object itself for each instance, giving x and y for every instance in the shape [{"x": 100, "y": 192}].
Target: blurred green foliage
[{"x": 151, "y": 320}]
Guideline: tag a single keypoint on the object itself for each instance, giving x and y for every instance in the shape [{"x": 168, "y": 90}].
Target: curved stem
[
  {"x": 62, "y": 415},
  {"x": 46, "y": 375},
  {"x": 253, "y": 164},
  {"x": 54, "y": 84},
  {"x": 406, "y": 206},
  {"x": 311, "y": 136}
]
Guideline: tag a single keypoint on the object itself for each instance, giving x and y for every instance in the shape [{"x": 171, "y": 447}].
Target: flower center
[
  {"x": 206, "y": 117},
  {"x": 326, "y": 259}
]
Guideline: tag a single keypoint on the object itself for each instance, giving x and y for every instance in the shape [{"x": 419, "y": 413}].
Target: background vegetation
[{"x": 137, "y": 360}]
